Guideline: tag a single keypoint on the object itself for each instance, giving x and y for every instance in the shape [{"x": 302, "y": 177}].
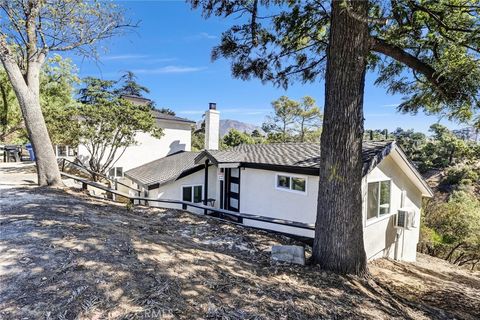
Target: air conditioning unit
[{"x": 405, "y": 218}]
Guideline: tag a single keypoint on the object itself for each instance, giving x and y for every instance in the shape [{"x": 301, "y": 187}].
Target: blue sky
[{"x": 170, "y": 54}]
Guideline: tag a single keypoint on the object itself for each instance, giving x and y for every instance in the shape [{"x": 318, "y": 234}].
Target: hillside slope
[{"x": 64, "y": 255}]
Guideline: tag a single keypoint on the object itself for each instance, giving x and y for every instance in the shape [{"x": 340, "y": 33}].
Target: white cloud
[
  {"x": 169, "y": 70},
  {"x": 206, "y": 35},
  {"x": 391, "y": 104},
  {"x": 201, "y": 36},
  {"x": 159, "y": 60},
  {"x": 124, "y": 57}
]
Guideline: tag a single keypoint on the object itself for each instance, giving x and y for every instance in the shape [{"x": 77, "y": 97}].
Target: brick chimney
[{"x": 212, "y": 127}]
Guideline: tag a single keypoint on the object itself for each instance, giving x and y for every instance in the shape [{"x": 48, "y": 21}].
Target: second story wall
[{"x": 176, "y": 137}]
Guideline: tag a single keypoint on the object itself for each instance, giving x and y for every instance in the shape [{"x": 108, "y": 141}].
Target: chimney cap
[{"x": 212, "y": 106}]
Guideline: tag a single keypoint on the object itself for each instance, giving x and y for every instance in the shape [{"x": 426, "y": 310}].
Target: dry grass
[{"x": 66, "y": 256}]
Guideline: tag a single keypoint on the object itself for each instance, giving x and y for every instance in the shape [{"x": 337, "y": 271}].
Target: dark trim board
[
  {"x": 153, "y": 186},
  {"x": 228, "y": 193},
  {"x": 189, "y": 172},
  {"x": 275, "y": 167},
  {"x": 222, "y": 188}
]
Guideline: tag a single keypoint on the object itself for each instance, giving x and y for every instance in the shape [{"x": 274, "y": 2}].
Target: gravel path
[{"x": 14, "y": 174}]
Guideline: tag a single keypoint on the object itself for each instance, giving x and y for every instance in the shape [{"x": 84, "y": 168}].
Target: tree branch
[
  {"x": 398, "y": 54},
  {"x": 379, "y": 21}
]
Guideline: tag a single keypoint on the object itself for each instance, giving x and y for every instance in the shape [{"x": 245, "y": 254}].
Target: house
[
  {"x": 176, "y": 137},
  {"x": 281, "y": 181}
]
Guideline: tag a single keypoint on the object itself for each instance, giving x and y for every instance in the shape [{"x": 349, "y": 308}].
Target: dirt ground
[{"x": 64, "y": 255}]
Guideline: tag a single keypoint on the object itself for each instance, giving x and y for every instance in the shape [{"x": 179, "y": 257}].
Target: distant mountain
[{"x": 227, "y": 124}]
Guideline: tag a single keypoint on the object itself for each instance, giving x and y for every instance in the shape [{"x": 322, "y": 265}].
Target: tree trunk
[
  {"x": 338, "y": 243},
  {"x": 4, "y": 115},
  {"x": 28, "y": 99},
  {"x": 302, "y": 130},
  {"x": 450, "y": 254}
]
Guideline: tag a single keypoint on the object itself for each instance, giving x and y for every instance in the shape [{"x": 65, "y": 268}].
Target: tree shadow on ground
[
  {"x": 446, "y": 292},
  {"x": 66, "y": 256},
  {"x": 21, "y": 169}
]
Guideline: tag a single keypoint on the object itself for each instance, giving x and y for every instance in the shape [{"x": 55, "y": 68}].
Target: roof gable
[{"x": 165, "y": 169}]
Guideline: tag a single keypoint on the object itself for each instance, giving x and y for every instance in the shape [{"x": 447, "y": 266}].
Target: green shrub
[
  {"x": 451, "y": 229},
  {"x": 461, "y": 175}
]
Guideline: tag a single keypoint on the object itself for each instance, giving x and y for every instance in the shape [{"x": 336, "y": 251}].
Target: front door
[{"x": 232, "y": 189}]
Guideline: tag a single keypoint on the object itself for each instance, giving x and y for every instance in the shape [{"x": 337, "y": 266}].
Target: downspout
[{"x": 205, "y": 189}]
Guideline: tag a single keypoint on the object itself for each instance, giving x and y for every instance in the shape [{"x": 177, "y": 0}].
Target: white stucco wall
[
  {"x": 259, "y": 195},
  {"x": 177, "y": 137},
  {"x": 173, "y": 190},
  {"x": 380, "y": 234}
]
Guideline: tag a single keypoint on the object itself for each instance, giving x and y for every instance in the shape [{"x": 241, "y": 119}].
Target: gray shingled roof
[
  {"x": 305, "y": 155},
  {"x": 302, "y": 155},
  {"x": 163, "y": 116},
  {"x": 164, "y": 169}
]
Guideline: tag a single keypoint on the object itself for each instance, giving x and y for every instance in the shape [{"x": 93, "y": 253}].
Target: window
[
  {"x": 192, "y": 193},
  {"x": 378, "y": 199},
  {"x": 72, "y": 152},
  {"x": 61, "y": 151},
  {"x": 197, "y": 194},
  {"x": 291, "y": 183},
  {"x": 283, "y": 182},
  {"x": 298, "y": 184},
  {"x": 116, "y": 172}
]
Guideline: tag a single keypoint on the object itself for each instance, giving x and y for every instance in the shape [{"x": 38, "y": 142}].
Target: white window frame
[
  {"x": 289, "y": 175},
  {"x": 57, "y": 150},
  {"x": 115, "y": 176},
  {"x": 193, "y": 194},
  {"x": 369, "y": 221},
  {"x": 71, "y": 152}
]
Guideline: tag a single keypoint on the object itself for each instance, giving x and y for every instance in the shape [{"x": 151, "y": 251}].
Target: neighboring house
[
  {"x": 176, "y": 137},
  {"x": 281, "y": 181},
  {"x": 65, "y": 151}
]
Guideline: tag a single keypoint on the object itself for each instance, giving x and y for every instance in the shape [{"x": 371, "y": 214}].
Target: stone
[
  {"x": 70, "y": 183},
  {"x": 290, "y": 254}
]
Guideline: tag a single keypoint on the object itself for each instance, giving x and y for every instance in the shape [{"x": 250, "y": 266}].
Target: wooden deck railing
[
  {"x": 112, "y": 181},
  {"x": 221, "y": 212}
]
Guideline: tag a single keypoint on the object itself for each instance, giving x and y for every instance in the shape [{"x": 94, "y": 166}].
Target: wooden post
[
  {"x": 115, "y": 186},
  {"x": 205, "y": 188}
]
